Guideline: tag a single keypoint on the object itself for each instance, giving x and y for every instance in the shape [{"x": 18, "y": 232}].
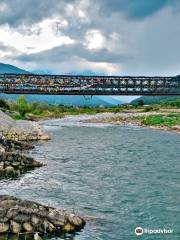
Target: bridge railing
[{"x": 89, "y": 85}]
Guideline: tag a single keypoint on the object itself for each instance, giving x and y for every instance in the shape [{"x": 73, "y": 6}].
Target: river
[{"x": 126, "y": 177}]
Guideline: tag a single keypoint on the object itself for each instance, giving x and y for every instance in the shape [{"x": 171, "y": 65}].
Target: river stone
[
  {"x": 4, "y": 220},
  {"x": 12, "y": 212},
  {"x": 58, "y": 223},
  {"x": 4, "y": 227},
  {"x": 20, "y": 218},
  {"x": 7, "y": 203},
  {"x": 15, "y": 164},
  {"x": 27, "y": 227},
  {"x": 9, "y": 169},
  {"x": 35, "y": 220},
  {"x": 77, "y": 221},
  {"x": 15, "y": 227},
  {"x": 54, "y": 215},
  {"x": 68, "y": 228}
]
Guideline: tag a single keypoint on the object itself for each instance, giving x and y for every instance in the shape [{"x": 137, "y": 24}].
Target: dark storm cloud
[
  {"x": 135, "y": 8},
  {"x": 26, "y": 12},
  {"x": 18, "y": 12},
  {"x": 70, "y": 52}
]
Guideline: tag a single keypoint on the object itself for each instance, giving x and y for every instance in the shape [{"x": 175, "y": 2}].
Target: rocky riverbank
[
  {"x": 22, "y": 216},
  {"x": 20, "y": 130},
  {"x": 15, "y": 138},
  {"x": 130, "y": 118},
  {"x": 14, "y": 164}
]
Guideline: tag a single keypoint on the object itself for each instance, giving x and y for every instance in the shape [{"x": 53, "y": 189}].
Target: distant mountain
[
  {"x": 7, "y": 68},
  {"x": 155, "y": 99},
  {"x": 70, "y": 100},
  {"x": 84, "y": 73}
]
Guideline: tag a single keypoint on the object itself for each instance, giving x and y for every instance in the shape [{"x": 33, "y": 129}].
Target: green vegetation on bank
[
  {"x": 162, "y": 104},
  {"x": 167, "y": 112},
  {"x": 21, "y": 109},
  {"x": 169, "y": 120}
]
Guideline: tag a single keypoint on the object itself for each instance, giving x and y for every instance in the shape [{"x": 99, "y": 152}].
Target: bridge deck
[{"x": 88, "y": 85}]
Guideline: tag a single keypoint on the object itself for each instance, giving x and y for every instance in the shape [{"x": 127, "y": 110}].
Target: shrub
[{"x": 4, "y": 104}]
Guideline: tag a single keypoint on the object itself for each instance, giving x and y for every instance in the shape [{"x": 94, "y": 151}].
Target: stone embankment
[
  {"x": 20, "y": 130},
  {"x": 14, "y": 138},
  {"x": 21, "y": 216},
  {"x": 14, "y": 164},
  {"x": 7, "y": 145}
]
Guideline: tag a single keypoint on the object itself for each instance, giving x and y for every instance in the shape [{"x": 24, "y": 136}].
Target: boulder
[
  {"x": 15, "y": 227},
  {"x": 27, "y": 227},
  {"x": 9, "y": 170},
  {"x": 35, "y": 220},
  {"x": 4, "y": 227}
]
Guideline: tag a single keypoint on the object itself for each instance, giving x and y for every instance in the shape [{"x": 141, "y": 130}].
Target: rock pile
[
  {"x": 12, "y": 145},
  {"x": 21, "y": 216},
  {"x": 20, "y": 130},
  {"x": 14, "y": 164},
  {"x": 15, "y": 137}
]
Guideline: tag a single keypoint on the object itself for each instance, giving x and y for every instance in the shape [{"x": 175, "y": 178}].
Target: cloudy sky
[{"x": 120, "y": 37}]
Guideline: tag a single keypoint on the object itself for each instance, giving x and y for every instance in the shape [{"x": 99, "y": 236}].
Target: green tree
[
  {"x": 140, "y": 102},
  {"x": 4, "y": 104},
  {"x": 23, "y": 106}
]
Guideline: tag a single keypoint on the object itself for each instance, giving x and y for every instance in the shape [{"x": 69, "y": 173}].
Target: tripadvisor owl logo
[{"x": 139, "y": 231}]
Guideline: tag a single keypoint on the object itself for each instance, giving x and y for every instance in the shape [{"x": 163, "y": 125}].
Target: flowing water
[{"x": 125, "y": 177}]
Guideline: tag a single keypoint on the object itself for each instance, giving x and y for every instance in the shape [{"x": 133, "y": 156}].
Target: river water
[{"x": 126, "y": 177}]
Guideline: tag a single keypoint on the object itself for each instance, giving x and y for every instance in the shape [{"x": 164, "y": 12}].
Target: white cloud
[
  {"x": 82, "y": 65},
  {"x": 40, "y": 37},
  {"x": 104, "y": 67},
  {"x": 95, "y": 40}
]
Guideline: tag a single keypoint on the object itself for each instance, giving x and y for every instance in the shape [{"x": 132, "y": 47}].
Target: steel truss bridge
[{"x": 88, "y": 85}]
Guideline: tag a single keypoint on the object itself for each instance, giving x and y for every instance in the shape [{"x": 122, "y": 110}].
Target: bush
[
  {"x": 151, "y": 108},
  {"x": 164, "y": 120},
  {"x": 4, "y": 104},
  {"x": 140, "y": 103},
  {"x": 23, "y": 106}
]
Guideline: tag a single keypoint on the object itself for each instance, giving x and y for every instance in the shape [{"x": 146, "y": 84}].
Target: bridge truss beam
[{"x": 88, "y": 85}]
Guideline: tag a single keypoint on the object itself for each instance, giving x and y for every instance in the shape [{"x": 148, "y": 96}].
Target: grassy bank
[
  {"x": 169, "y": 120},
  {"x": 164, "y": 114},
  {"x": 21, "y": 109}
]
